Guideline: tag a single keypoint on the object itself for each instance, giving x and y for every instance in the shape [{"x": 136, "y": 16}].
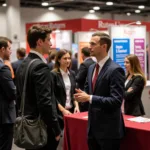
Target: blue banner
[{"x": 121, "y": 48}]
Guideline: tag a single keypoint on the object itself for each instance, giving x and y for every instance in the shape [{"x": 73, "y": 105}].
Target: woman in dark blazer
[
  {"x": 64, "y": 85},
  {"x": 134, "y": 85}
]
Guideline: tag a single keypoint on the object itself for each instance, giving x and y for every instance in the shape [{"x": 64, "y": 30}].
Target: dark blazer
[
  {"x": 105, "y": 117},
  {"x": 7, "y": 96},
  {"x": 60, "y": 91},
  {"x": 82, "y": 72},
  {"x": 16, "y": 64},
  {"x": 39, "y": 93},
  {"x": 51, "y": 66},
  {"x": 133, "y": 103},
  {"x": 74, "y": 65}
]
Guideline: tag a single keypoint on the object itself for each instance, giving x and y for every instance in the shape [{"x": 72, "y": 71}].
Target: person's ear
[
  {"x": 2, "y": 49},
  {"x": 39, "y": 42}
]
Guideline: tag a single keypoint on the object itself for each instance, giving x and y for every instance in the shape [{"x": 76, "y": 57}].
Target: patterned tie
[{"x": 95, "y": 76}]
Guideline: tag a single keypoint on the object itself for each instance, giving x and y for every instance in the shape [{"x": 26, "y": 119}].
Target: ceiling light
[
  {"x": 44, "y": 4},
  {"x": 128, "y": 14},
  {"x": 51, "y": 8},
  {"x": 96, "y": 8},
  {"x": 137, "y": 11},
  {"x": 4, "y": 5},
  {"x": 138, "y": 22},
  {"x": 109, "y": 3},
  {"x": 91, "y": 11},
  {"x": 141, "y": 7}
]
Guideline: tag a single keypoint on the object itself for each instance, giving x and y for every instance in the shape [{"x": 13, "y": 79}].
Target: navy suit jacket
[
  {"x": 105, "y": 117},
  {"x": 7, "y": 96},
  {"x": 16, "y": 65},
  {"x": 82, "y": 73}
]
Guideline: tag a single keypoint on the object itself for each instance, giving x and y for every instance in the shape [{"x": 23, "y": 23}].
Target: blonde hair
[{"x": 135, "y": 66}]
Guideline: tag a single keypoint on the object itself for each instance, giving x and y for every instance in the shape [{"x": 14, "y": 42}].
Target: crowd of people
[{"x": 53, "y": 89}]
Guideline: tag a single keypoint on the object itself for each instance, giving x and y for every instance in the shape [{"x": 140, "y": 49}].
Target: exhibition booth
[{"x": 127, "y": 38}]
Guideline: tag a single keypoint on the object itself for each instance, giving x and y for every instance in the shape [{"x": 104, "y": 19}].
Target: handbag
[{"x": 29, "y": 133}]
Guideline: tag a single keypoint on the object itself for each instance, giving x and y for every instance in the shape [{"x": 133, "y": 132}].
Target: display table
[{"x": 75, "y": 133}]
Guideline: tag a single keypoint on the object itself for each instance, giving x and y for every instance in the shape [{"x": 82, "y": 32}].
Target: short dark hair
[
  {"x": 86, "y": 51},
  {"x": 52, "y": 56},
  {"x": 104, "y": 39},
  {"x": 21, "y": 52},
  {"x": 37, "y": 32},
  {"x": 4, "y": 42}
]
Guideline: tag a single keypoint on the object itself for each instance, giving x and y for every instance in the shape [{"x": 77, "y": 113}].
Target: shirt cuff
[{"x": 90, "y": 101}]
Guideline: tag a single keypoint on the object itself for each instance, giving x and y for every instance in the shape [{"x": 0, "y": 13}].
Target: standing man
[
  {"x": 7, "y": 97},
  {"x": 21, "y": 53},
  {"x": 39, "y": 91},
  {"x": 104, "y": 92},
  {"x": 82, "y": 74}
]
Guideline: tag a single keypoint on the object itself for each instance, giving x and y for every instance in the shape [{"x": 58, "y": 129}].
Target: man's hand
[
  {"x": 57, "y": 138},
  {"x": 81, "y": 96}
]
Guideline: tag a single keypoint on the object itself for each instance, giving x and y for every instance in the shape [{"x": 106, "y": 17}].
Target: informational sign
[
  {"x": 74, "y": 49},
  {"x": 121, "y": 48},
  {"x": 139, "y": 51}
]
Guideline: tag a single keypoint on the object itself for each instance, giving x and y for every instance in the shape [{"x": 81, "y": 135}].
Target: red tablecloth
[{"x": 75, "y": 133}]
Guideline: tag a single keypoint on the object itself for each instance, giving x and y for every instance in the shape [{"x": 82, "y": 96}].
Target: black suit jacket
[
  {"x": 133, "y": 103},
  {"x": 16, "y": 64},
  {"x": 60, "y": 91},
  {"x": 39, "y": 92},
  {"x": 82, "y": 73},
  {"x": 105, "y": 117},
  {"x": 7, "y": 96}
]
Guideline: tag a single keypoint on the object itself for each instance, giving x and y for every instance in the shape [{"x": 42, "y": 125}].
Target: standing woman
[
  {"x": 64, "y": 85},
  {"x": 134, "y": 85}
]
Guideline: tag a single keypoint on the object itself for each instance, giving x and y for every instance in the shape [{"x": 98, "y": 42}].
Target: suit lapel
[
  {"x": 129, "y": 83},
  {"x": 102, "y": 71},
  {"x": 71, "y": 81},
  {"x": 91, "y": 70},
  {"x": 61, "y": 80}
]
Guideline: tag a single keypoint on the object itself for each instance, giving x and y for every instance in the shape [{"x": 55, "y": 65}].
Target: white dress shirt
[{"x": 67, "y": 83}]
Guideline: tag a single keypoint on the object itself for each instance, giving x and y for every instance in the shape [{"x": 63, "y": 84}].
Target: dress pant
[
  {"x": 84, "y": 106},
  {"x": 51, "y": 141},
  {"x": 6, "y": 136},
  {"x": 103, "y": 144}
]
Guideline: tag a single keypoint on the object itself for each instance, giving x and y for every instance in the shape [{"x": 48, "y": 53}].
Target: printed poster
[
  {"x": 121, "y": 48},
  {"x": 139, "y": 51}
]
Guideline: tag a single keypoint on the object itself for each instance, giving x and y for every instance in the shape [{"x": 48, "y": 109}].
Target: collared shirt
[
  {"x": 101, "y": 64},
  {"x": 67, "y": 83},
  {"x": 41, "y": 56}
]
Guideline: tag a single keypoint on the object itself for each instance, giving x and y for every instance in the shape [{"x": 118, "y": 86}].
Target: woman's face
[
  {"x": 65, "y": 60},
  {"x": 127, "y": 65}
]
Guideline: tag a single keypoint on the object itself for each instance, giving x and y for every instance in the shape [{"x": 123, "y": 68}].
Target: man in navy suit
[
  {"x": 82, "y": 74},
  {"x": 104, "y": 90},
  {"x": 21, "y": 53},
  {"x": 7, "y": 97}
]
